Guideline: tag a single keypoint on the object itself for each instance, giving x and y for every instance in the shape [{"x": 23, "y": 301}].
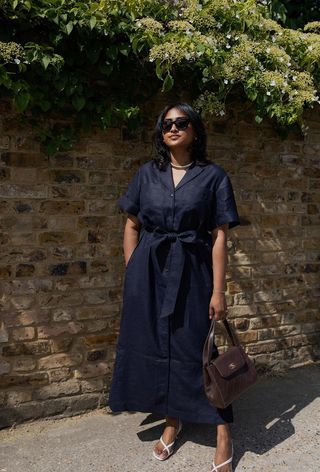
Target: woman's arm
[
  {"x": 218, "y": 305},
  {"x": 131, "y": 236}
]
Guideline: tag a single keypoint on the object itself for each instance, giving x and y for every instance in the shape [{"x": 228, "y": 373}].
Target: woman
[{"x": 179, "y": 207}]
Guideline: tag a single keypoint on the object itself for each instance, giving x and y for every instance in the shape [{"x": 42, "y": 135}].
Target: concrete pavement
[{"x": 277, "y": 428}]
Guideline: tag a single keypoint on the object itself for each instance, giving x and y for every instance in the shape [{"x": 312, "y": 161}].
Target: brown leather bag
[{"x": 228, "y": 375}]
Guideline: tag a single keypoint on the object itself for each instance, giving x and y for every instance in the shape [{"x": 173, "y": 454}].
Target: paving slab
[{"x": 276, "y": 429}]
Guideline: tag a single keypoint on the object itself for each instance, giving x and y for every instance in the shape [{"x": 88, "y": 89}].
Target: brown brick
[
  {"x": 21, "y": 159},
  {"x": 66, "y": 176},
  {"x": 23, "y": 364},
  {"x": 59, "y": 237},
  {"x": 92, "y": 385},
  {"x": 61, "y": 344},
  {"x": 32, "y": 379},
  {"x": 45, "y": 332},
  {"x": 5, "y": 272},
  {"x": 96, "y": 340},
  {"x": 62, "y": 373},
  {"x": 23, "y": 334},
  {"x": 59, "y": 360},
  {"x": 25, "y": 270},
  {"x": 26, "y": 317},
  {"x": 98, "y": 369},
  {"x": 15, "y": 398},
  {"x": 57, "y": 389},
  {"x": 29, "y": 348},
  {"x": 62, "y": 207},
  {"x": 248, "y": 336}
]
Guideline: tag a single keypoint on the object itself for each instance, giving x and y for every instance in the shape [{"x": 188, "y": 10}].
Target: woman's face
[{"x": 174, "y": 137}]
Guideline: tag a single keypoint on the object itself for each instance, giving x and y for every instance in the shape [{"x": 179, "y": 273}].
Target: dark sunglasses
[{"x": 181, "y": 124}]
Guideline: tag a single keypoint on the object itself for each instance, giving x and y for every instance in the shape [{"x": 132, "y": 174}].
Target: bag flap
[{"x": 230, "y": 362}]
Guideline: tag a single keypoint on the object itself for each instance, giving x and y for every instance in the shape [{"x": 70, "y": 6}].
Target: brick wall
[{"x": 62, "y": 264}]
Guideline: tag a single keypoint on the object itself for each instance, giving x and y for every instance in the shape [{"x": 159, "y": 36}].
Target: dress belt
[{"x": 176, "y": 261}]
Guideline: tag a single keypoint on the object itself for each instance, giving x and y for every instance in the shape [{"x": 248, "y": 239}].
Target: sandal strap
[
  {"x": 166, "y": 446},
  {"x": 216, "y": 467}
]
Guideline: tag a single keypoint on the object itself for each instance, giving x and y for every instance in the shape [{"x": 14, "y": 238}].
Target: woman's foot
[
  {"x": 224, "y": 449},
  {"x": 169, "y": 436}
]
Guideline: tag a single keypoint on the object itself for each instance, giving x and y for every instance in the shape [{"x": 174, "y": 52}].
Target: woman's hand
[{"x": 218, "y": 306}]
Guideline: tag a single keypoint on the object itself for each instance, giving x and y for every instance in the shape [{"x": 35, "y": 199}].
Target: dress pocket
[{"x": 133, "y": 254}]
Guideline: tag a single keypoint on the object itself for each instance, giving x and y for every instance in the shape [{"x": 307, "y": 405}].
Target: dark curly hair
[{"x": 198, "y": 149}]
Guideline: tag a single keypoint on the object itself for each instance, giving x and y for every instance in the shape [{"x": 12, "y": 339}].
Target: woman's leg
[
  {"x": 169, "y": 434},
  {"x": 224, "y": 447}
]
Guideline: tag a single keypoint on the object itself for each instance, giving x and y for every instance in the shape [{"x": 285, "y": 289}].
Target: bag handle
[{"x": 207, "y": 348}]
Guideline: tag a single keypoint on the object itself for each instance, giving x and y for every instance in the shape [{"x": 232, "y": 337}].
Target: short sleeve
[
  {"x": 224, "y": 207},
  {"x": 130, "y": 200}
]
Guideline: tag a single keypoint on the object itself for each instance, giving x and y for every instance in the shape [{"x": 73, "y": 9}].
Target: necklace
[{"x": 176, "y": 166}]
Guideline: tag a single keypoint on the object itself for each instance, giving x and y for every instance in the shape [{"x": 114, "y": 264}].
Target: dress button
[{"x": 171, "y": 194}]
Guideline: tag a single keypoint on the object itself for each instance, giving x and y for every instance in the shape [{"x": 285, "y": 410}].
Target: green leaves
[
  {"x": 93, "y": 22},
  {"x": 78, "y": 102},
  {"x": 69, "y": 27},
  {"x": 167, "y": 83},
  {"x": 97, "y": 62},
  {"x": 22, "y": 95}
]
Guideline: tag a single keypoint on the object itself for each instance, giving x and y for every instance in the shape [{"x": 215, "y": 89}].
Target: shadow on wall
[{"x": 273, "y": 268}]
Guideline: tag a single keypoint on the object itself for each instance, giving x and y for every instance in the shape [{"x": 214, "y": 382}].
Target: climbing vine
[{"x": 78, "y": 64}]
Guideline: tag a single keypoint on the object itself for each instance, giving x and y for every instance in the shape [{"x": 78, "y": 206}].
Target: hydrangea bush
[{"x": 98, "y": 62}]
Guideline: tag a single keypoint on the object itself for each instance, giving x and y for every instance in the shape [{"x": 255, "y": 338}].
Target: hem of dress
[{"x": 190, "y": 418}]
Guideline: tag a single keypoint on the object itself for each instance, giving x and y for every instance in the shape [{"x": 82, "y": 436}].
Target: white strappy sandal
[
  {"x": 167, "y": 447},
  {"x": 216, "y": 467}
]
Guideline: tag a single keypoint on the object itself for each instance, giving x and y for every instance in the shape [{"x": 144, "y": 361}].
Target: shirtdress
[{"x": 167, "y": 289}]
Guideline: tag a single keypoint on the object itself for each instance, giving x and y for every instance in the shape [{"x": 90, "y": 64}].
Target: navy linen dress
[{"x": 167, "y": 289}]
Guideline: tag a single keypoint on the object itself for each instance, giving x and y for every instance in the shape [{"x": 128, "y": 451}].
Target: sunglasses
[{"x": 181, "y": 124}]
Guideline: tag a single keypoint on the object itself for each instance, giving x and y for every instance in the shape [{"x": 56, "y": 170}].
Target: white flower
[
  {"x": 221, "y": 112},
  {"x": 187, "y": 56},
  {"x": 166, "y": 55},
  {"x": 272, "y": 83},
  {"x": 268, "y": 93},
  {"x": 228, "y": 36},
  {"x": 268, "y": 50},
  {"x": 294, "y": 78},
  {"x": 226, "y": 81},
  {"x": 289, "y": 64},
  {"x": 228, "y": 46},
  {"x": 281, "y": 59},
  {"x": 237, "y": 15},
  {"x": 246, "y": 68},
  {"x": 310, "y": 48},
  {"x": 219, "y": 25},
  {"x": 17, "y": 61}
]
